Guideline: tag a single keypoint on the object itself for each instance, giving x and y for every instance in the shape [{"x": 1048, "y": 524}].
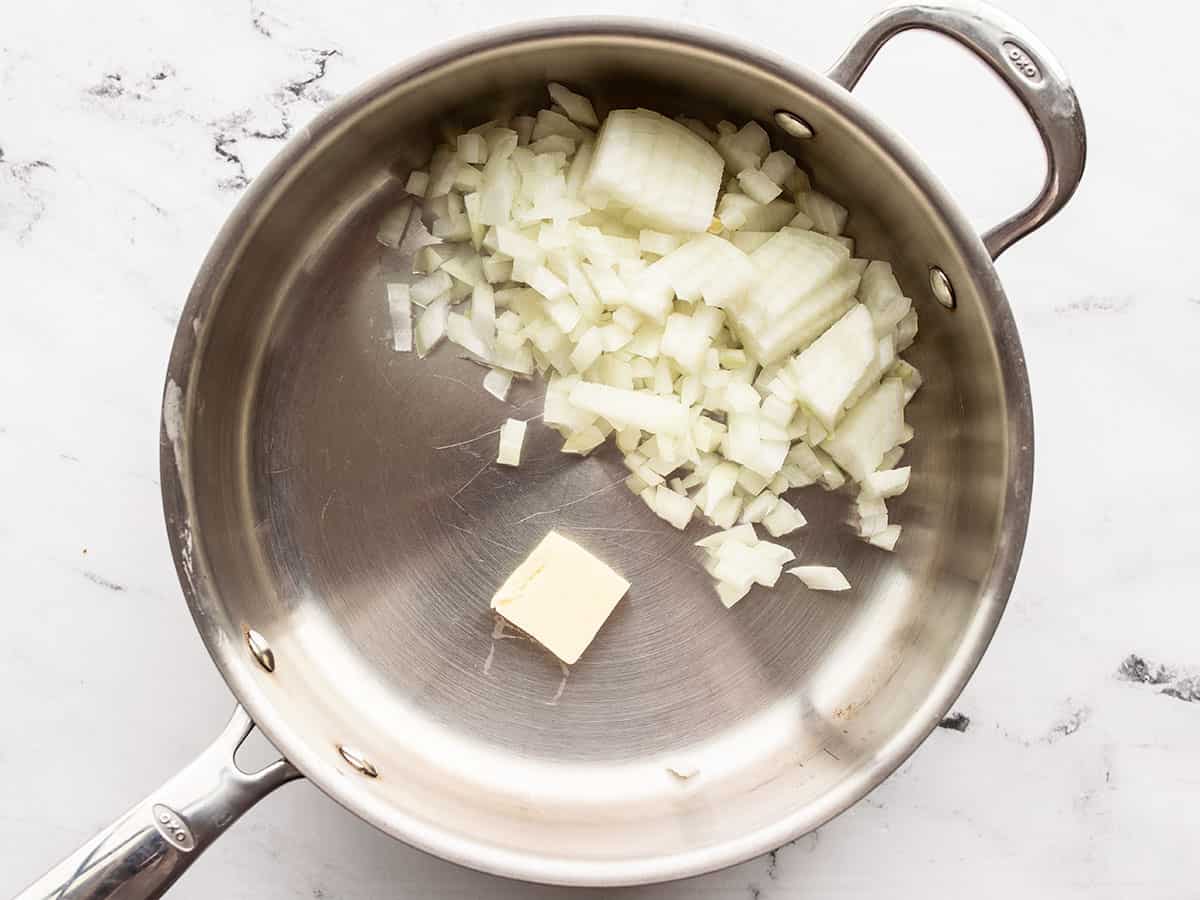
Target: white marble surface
[{"x": 128, "y": 129}]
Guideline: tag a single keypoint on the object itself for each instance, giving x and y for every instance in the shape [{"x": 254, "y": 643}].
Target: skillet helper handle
[
  {"x": 141, "y": 854},
  {"x": 1029, "y": 70}
]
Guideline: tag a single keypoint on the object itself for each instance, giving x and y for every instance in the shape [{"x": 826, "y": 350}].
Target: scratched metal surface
[{"x": 343, "y": 502}]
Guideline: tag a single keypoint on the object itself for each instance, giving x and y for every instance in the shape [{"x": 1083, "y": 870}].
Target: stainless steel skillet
[{"x": 338, "y": 529}]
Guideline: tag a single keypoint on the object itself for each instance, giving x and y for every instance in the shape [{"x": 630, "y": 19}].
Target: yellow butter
[{"x": 560, "y": 596}]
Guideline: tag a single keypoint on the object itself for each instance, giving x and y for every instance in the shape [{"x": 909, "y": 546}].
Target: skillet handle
[
  {"x": 1029, "y": 70},
  {"x": 141, "y": 854}
]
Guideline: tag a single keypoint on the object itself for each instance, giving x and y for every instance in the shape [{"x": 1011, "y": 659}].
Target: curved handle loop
[
  {"x": 1029, "y": 70},
  {"x": 141, "y": 854}
]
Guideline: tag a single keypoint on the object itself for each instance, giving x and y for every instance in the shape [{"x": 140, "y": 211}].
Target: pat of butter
[{"x": 560, "y": 596}]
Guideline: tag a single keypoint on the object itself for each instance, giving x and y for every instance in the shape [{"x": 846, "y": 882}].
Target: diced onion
[
  {"x": 886, "y": 539},
  {"x": 400, "y": 310},
  {"x": 872, "y": 427},
  {"x": 432, "y": 326},
  {"x": 512, "y": 436},
  {"x": 578, "y": 108},
  {"x": 821, "y": 578},
  {"x": 430, "y": 288},
  {"x": 779, "y": 166},
  {"x": 625, "y": 408},
  {"x": 675, "y": 508},
  {"x": 657, "y": 168},
  {"x": 685, "y": 288},
  {"x": 759, "y": 186},
  {"x": 497, "y": 383},
  {"x": 887, "y": 482},
  {"x": 826, "y": 373},
  {"x": 783, "y": 519}
]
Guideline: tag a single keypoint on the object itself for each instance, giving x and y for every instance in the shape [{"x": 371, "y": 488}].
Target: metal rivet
[
  {"x": 794, "y": 125},
  {"x": 261, "y": 649},
  {"x": 942, "y": 289},
  {"x": 357, "y": 761}
]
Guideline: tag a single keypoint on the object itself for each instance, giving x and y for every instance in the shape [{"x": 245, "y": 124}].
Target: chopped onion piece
[
  {"x": 512, "y": 436},
  {"x": 758, "y": 186},
  {"x": 871, "y": 514},
  {"x": 874, "y": 426},
  {"x": 497, "y": 383},
  {"x": 501, "y": 142},
  {"x": 746, "y": 148},
  {"x": 460, "y": 331},
  {"x": 584, "y": 441},
  {"x": 775, "y": 553},
  {"x": 554, "y": 143},
  {"x": 887, "y": 482},
  {"x": 802, "y": 221},
  {"x": 472, "y": 149},
  {"x": 769, "y": 216},
  {"x": 743, "y": 534},
  {"x": 827, "y": 372},
  {"x": 580, "y": 165},
  {"x": 730, "y": 594},
  {"x": 483, "y": 313},
  {"x": 625, "y": 408},
  {"x": 578, "y": 108},
  {"x": 400, "y": 310},
  {"x": 892, "y": 457},
  {"x": 751, "y": 482},
  {"x": 466, "y": 268},
  {"x": 430, "y": 288},
  {"x": 727, "y": 512},
  {"x": 432, "y": 326},
  {"x": 783, "y": 519},
  {"x": 607, "y": 284},
  {"x": 735, "y": 563},
  {"x": 757, "y": 509},
  {"x": 749, "y": 241},
  {"x": 675, "y": 508},
  {"x": 467, "y": 178},
  {"x": 627, "y": 319},
  {"x": 517, "y": 246},
  {"x": 828, "y": 217},
  {"x": 656, "y": 242},
  {"x": 548, "y": 122},
  {"x": 798, "y": 183},
  {"x": 513, "y": 353},
  {"x": 886, "y": 539},
  {"x": 657, "y": 168},
  {"x": 497, "y": 192},
  {"x": 910, "y": 376},
  {"x": 803, "y": 287},
  {"x": 699, "y": 127},
  {"x": 442, "y": 169},
  {"x": 906, "y": 331},
  {"x": 547, "y": 284},
  {"x": 821, "y": 578},
  {"x": 430, "y": 258},
  {"x": 779, "y": 166}
]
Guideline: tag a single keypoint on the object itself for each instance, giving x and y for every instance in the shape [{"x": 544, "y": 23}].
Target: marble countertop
[{"x": 128, "y": 131}]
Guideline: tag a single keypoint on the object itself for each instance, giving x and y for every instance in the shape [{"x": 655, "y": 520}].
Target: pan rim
[{"x": 215, "y": 627}]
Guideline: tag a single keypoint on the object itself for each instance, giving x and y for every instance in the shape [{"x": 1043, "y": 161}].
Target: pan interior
[{"x": 346, "y": 505}]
